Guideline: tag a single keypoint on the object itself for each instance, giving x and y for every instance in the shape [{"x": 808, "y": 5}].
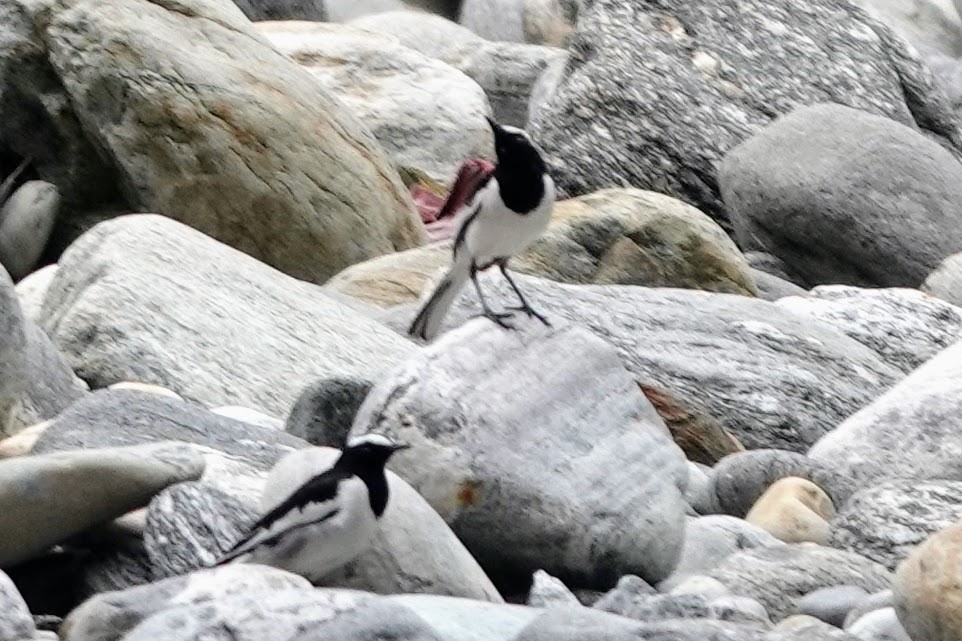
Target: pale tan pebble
[
  {"x": 23, "y": 441},
  {"x": 145, "y": 387},
  {"x": 794, "y": 510}
]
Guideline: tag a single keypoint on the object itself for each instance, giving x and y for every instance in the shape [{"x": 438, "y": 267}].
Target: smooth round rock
[
  {"x": 325, "y": 410},
  {"x": 946, "y": 281},
  {"x": 794, "y": 510},
  {"x": 26, "y": 221},
  {"x": 832, "y": 605},
  {"x": 879, "y": 625},
  {"x": 928, "y": 588}
]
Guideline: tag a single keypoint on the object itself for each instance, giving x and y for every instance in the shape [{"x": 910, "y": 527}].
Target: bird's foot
[
  {"x": 499, "y": 319},
  {"x": 527, "y": 309}
]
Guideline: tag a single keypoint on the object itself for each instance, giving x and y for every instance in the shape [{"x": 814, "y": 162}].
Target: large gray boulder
[
  {"x": 913, "y": 431},
  {"x": 47, "y": 499},
  {"x": 777, "y": 577},
  {"x": 655, "y": 94},
  {"x": 946, "y": 281},
  {"x": 770, "y": 377},
  {"x": 580, "y": 459},
  {"x": 895, "y": 192},
  {"x": 197, "y": 131},
  {"x": 885, "y": 522},
  {"x": 507, "y": 71},
  {"x": 413, "y": 551},
  {"x": 904, "y": 326},
  {"x": 148, "y": 299},
  {"x": 394, "y": 91}
]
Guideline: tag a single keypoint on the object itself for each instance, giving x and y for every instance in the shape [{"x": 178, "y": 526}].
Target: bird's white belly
[
  {"x": 319, "y": 549},
  {"x": 503, "y": 233}
]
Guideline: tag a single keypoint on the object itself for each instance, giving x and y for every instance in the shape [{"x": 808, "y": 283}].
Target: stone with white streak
[
  {"x": 770, "y": 377},
  {"x": 589, "y": 491},
  {"x": 905, "y": 326}
]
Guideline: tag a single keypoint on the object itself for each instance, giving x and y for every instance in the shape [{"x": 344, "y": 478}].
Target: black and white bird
[
  {"x": 327, "y": 521},
  {"x": 509, "y": 210}
]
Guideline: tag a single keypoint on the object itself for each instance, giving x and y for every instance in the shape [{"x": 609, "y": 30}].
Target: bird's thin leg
[
  {"x": 525, "y": 306},
  {"x": 500, "y": 319}
]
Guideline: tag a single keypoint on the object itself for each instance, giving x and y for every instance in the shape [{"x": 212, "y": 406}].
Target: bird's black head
[
  {"x": 515, "y": 149},
  {"x": 369, "y": 452}
]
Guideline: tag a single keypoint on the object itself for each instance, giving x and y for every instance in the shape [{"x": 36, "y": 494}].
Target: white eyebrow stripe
[{"x": 373, "y": 439}]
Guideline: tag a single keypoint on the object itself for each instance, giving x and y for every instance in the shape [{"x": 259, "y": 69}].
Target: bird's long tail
[{"x": 428, "y": 321}]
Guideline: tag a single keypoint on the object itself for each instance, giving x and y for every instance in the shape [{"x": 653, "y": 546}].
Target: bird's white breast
[{"x": 499, "y": 232}]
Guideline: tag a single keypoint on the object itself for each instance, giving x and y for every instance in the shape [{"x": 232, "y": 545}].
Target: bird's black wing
[{"x": 318, "y": 490}]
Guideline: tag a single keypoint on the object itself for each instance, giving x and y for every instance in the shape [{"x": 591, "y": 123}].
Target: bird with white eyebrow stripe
[
  {"x": 509, "y": 209},
  {"x": 327, "y": 521}
]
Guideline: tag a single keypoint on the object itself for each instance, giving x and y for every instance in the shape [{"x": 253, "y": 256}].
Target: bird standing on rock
[
  {"x": 329, "y": 520},
  {"x": 509, "y": 209}
]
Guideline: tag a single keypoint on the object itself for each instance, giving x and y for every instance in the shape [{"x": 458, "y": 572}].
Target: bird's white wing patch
[{"x": 313, "y": 512}]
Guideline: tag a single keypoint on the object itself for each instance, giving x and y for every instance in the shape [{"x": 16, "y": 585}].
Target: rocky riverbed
[{"x": 744, "y": 422}]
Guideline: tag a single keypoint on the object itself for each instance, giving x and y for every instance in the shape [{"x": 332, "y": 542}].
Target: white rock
[
  {"x": 32, "y": 289},
  {"x": 946, "y": 281},
  {"x": 548, "y": 591},
  {"x": 905, "y": 326},
  {"x": 249, "y": 415}
]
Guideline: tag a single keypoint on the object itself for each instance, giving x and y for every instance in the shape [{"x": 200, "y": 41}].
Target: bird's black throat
[
  {"x": 520, "y": 179},
  {"x": 377, "y": 492}
]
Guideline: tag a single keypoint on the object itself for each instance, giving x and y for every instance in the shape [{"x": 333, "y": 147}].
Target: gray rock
[
  {"x": 586, "y": 624},
  {"x": 325, "y": 410},
  {"x": 932, "y": 23},
  {"x": 708, "y": 349},
  {"x": 947, "y": 71},
  {"x": 841, "y": 168},
  {"x": 701, "y": 492},
  {"x": 114, "y": 568},
  {"x": 777, "y": 577},
  {"x": 547, "y": 84},
  {"x": 877, "y": 601},
  {"x": 26, "y": 220},
  {"x": 886, "y": 521},
  {"x": 49, "y": 385},
  {"x": 16, "y": 624},
  {"x": 455, "y": 619},
  {"x": 913, "y": 431},
  {"x": 740, "y": 479},
  {"x": 190, "y": 525},
  {"x": 705, "y": 92},
  {"x": 46, "y": 499},
  {"x": 740, "y": 609},
  {"x": 879, "y": 625},
  {"x": 548, "y": 591},
  {"x": 286, "y": 615},
  {"x": 833, "y": 604},
  {"x": 946, "y": 281},
  {"x": 110, "y": 616},
  {"x": 773, "y": 288},
  {"x": 589, "y": 491},
  {"x": 179, "y": 127},
  {"x": 205, "y": 299},
  {"x": 507, "y": 71},
  {"x": 413, "y": 550},
  {"x": 110, "y": 418},
  {"x": 500, "y": 20},
  {"x": 283, "y": 9},
  {"x": 763, "y": 261},
  {"x": 661, "y": 607},
  {"x": 13, "y": 341},
  {"x": 629, "y": 590},
  {"x": 709, "y": 540},
  {"x": 904, "y": 326},
  {"x": 393, "y": 91}
]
